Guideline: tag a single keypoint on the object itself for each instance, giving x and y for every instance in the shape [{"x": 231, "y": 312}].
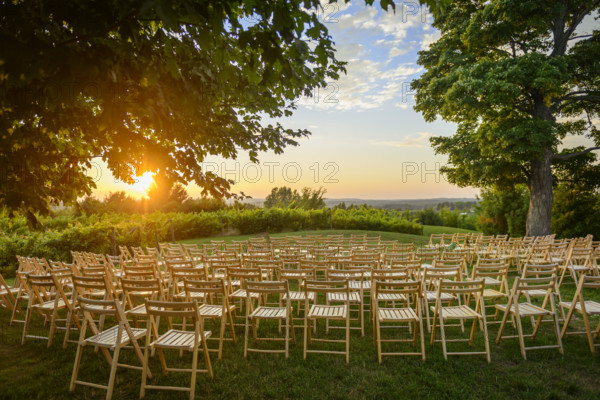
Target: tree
[
  {"x": 281, "y": 197},
  {"x": 518, "y": 78},
  {"x": 576, "y": 210},
  {"x": 503, "y": 211},
  {"x": 284, "y": 197},
  {"x": 310, "y": 199},
  {"x": 148, "y": 85},
  {"x": 119, "y": 202}
]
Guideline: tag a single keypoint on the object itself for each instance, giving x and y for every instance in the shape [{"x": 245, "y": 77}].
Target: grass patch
[{"x": 419, "y": 240}]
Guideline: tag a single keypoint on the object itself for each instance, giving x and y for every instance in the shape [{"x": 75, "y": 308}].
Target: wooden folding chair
[
  {"x": 237, "y": 277},
  {"x": 112, "y": 339},
  {"x": 172, "y": 339},
  {"x": 401, "y": 305},
  {"x": 23, "y": 294},
  {"x": 178, "y": 277},
  {"x": 494, "y": 272},
  {"x": 282, "y": 313},
  {"x": 388, "y": 275},
  {"x": 579, "y": 261},
  {"x": 586, "y": 308},
  {"x": 135, "y": 294},
  {"x": 356, "y": 282},
  {"x": 216, "y": 306},
  {"x": 430, "y": 276},
  {"x": 327, "y": 312},
  {"x": 297, "y": 277},
  {"x": 7, "y": 294},
  {"x": 462, "y": 312},
  {"x": 47, "y": 297},
  {"x": 94, "y": 286},
  {"x": 518, "y": 310}
]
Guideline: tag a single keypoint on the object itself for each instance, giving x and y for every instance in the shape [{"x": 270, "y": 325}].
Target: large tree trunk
[{"x": 540, "y": 196}]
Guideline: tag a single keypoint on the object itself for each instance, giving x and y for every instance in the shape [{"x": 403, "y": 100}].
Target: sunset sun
[{"x": 142, "y": 183}]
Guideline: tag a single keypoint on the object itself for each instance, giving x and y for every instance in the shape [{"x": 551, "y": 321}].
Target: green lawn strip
[{"x": 401, "y": 237}]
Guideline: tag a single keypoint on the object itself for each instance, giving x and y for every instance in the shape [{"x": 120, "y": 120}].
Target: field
[{"x": 33, "y": 371}]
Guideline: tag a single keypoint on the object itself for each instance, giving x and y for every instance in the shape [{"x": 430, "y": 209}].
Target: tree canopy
[
  {"x": 517, "y": 77},
  {"x": 285, "y": 197},
  {"x": 149, "y": 85}
]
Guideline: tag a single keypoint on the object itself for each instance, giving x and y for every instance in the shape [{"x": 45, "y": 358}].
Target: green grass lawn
[
  {"x": 34, "y": 371},
  {"x": 401, "y": 237}
]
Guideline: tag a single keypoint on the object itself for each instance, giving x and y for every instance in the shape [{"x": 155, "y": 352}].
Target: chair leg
[
  {"x": 231, "y": 326},
  {"x": 521, "y": 339},
  {"x": 194, "y": 368},
  {"x": 52, "y": 326},
  {"x": 246, "y": 329},
  {"x": 221, "y": 337},
  {"x": 306, "y": 333},
  {"x": 287, "y": 335},
  {"x": 75, "y": 368},
  {"x": 377, "y": 338},
  {"x": 26, "y": 326},
  {"x": 144, "y": 369},
  {"x": 68, "y": 329},
  {"x": 557, "y": 331},
  {"x": 113, "y": 370},
  {"x": 422, "y": 338},
  {"x": 443, "y": 335},
  {"x": 348, "y": 336}
]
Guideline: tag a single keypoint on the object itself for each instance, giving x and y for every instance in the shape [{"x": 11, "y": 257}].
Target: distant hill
[{"x": 394, "y": 204}]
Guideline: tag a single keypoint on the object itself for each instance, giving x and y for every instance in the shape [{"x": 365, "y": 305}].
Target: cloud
[
  {"x": 421, "y": 139},
  {"x": 428, "y": 39},
  {"x": 395, "y": 51},
  {"x": 373, "y": 43}
]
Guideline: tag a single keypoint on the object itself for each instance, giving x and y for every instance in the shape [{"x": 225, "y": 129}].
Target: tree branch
[
  {"x": 588, "y": 97},
  {"x": 580, "y": 37},
  {"x": 571, "y": 155},
  {"x": 99, "y": 34}
]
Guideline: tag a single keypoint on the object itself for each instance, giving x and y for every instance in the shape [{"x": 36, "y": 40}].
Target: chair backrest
[
  {"x": 213, "y": 290},
  {"x": 391, "y": 275},
  {"x": 411, "y": 289},
  {"x": 266, "y": 288},
  {"x": 355, "y": 274},
  {"x": 545, "y": 283},
  {"x": 404, "y": 248},
  {"x": 430, "y": 276},
  {"x": 174, "y": 309},
  {"x": 427, "y": 254},
  {"x": 298, "y": 275},
  {"x": 85, "y": 285},
  {"x": 91, "y": 306},
  {"x": 179, "y": 274},
  {"x": 50, "y": 286},
  {"x": 149, "y": 288},
  {"x": 471, "y": 287},
  {"x": 539, "y": 269},
  {"x": 338, "y": 286},
  {"x": 414, "y": 266},
  {"x": 496, "y": 268},
  {"x": 580, "y": 256},
  {"x": 244, "y": 275},
  {"x": 141, "y": 271}
]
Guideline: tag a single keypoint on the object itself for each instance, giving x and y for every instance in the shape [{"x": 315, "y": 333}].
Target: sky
[{"x": 367, "y": 141}]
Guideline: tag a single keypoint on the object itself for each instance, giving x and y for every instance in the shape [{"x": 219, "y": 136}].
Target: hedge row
[{"x": 95, "y": 233}]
